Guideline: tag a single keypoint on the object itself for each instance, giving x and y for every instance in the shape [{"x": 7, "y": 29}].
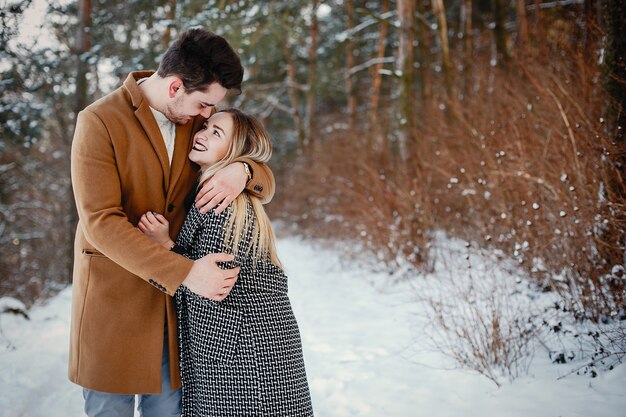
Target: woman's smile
[{"x": 198, "y": 146}]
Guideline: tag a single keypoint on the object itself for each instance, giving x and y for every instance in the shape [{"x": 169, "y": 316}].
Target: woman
[{"x": 241, "y": 356}]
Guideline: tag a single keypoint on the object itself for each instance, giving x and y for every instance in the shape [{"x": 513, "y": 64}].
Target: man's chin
[
  {"x": 183, "y": 120},
  {"x": 179, "y": 120}
]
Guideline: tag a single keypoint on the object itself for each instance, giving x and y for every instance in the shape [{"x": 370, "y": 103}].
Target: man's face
[{"x": 185, "y": 106}]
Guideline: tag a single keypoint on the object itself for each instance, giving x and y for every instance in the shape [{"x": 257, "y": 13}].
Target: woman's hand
[
  {"x": 222, "y": 188},
  {"x": 157, "y": 228}
]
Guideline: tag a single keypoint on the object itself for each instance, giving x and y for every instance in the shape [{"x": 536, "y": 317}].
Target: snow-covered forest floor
[{"x": 369, "y": 340}]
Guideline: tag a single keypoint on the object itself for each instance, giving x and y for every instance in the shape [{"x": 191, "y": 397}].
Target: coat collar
[
  {"x": 148, "y": 122},
  {"x": 130, "y": 84},
  {"x": 184, "y": 133}
]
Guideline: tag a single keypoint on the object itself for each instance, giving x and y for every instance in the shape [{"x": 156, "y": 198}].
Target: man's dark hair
[{"x": 200, "y": 57}]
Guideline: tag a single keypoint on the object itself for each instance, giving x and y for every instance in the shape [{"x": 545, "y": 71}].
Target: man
[{"x": 129, "y": 156}]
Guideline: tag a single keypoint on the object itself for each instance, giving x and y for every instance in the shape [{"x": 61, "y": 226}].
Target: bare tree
[
  {"x": 349, "y": 8},
  {"x": 312, "y": 84},
  {"x": 293, "y": 96},
  {"x": 377, "y": 71},
  {"x": 406, "y": 58},
  {"x": 539, "y": 24},
  {"x": 499, "y": 31},
  {"x": 167, "y": 33},
  {"x": 421, "y": 33},
  {"x": 439, "y": 9},
  {"x": 468, "y": 50},
  {"x": 614, "y": 85},
  {"x": 83, "y": 46},
  {"x": 522, "y": 31}
]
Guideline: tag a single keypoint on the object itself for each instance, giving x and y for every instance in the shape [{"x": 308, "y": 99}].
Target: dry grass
[
  {"x": 524, "y": 164},
  {"x": 477, "y": 322}
]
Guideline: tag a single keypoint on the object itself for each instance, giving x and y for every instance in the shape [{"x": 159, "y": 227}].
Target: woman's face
[{"x": 211, "y": 144}]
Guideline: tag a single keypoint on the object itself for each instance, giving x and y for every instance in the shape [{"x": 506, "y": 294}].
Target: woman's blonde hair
[{"x": 250, "y": 140}]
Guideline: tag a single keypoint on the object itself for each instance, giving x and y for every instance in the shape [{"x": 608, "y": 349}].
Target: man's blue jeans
[{"x": 165, "y": 404}]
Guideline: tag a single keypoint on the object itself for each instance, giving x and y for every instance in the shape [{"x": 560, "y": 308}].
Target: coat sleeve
[
  {"x": 262, "y": 184},
  {"x": 98, "y": 193}
]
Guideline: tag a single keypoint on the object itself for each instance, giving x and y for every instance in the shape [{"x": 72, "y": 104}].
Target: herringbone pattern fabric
[{"x": 241, "y": 356}]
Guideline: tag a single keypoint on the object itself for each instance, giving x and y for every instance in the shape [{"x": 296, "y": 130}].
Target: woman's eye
[{"x": 215, "y": 132}]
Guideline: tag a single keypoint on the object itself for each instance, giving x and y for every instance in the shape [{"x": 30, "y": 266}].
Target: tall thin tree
[
  {"x": 468, "y": 50},
  {"x": 83, "y": 46},
  {"x": 439, "y": 9},
  {"x": 406, "y": 59},
  {"x": 377, "y": 76},
  {"x": 293, "y": 96},
  {"x": 312, "y": 83},
  {"x": 170, "y": 16},
  {"x": 422, "y": 30},
  {"x": 614, "y": 111},
  {"x": 350, "y": 93},
  {"x": 539, "y": 24},
  {"x": 499, "y": 31},
  {"x": 522, "y": 29},
  {"x": 614, "y": 78}
]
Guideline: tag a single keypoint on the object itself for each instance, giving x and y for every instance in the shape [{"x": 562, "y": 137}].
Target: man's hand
[
  {"x": 156, "y": 227},
  {"x": 208, "y": 280},
  {"x": 222, "y": 188}
]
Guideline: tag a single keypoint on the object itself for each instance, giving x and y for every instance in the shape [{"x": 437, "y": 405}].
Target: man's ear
[{"x": 175, "y": 86}]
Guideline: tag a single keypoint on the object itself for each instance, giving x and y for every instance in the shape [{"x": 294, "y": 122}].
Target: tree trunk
[
  {"x": 350, "y": 93},
  {"x": 312, "y": 87},
  {"x": 499, "y": 31},
  {"x": 614, "y": 112},
  {"x": 522, "y": 31},
  {"x": 614, "y": 72},
  {"x": 422, "y": 32},
  {"x": 468, "y": 50},
  {"x": 440, "y": 13},
  {"x": 406, "y": 98},
  {"x": 377, "y": 71},
  {"x": 586, "y": 30},
  {"x": 539, "y": 30},
  {"x": 83, "y": 45},
  {"x": 167, "y": 33},
  {"x": 293, "y": 96}
]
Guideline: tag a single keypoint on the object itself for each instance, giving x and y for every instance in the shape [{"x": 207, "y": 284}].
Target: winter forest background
[{"x": 497, "y": 122}]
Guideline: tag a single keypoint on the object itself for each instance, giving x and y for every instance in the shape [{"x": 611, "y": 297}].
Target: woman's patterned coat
[{"x": 241, "y": 356}]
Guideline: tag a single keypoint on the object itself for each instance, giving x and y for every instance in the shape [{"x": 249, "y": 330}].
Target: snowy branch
[
  {"x": 6, "y": 167},
  {"x": 350, "y": 32},
  {"x": 369, "y": 63},
  {"x": 274, "y": 86},
  {"x": 274, "y": 103},
  {"x": 555, "y": 4}
]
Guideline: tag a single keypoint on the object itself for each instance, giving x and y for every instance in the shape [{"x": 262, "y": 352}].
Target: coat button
[
  {"x": 170, "y": 208},
  {"x": 258, "y": 188}
]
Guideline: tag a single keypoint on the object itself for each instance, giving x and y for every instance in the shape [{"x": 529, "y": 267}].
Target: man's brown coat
[{"x": 123, "y": 282}]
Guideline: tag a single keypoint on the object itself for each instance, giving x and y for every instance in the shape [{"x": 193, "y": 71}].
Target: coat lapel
[
  {"x": 182, "y": 146},
  {"x": 148, "y": 122}
]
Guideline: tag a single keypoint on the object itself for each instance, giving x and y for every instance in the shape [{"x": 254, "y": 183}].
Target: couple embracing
[{"x": 176, "y": 279}]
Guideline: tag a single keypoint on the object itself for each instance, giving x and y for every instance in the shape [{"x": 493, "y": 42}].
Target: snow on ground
[{"x": 363, "y": 337}]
